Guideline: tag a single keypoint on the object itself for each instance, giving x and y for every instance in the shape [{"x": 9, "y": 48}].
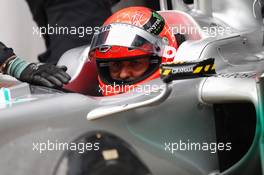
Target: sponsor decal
[
  {"x": 155, "y": 24},
  {"x": 237, "y": 75},
  {"x": 186, "y": 70}
]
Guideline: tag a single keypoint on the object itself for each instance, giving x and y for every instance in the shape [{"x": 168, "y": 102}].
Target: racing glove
[
  {"x": 45, "y": 74},
  {"x": 38, "y": 74}
]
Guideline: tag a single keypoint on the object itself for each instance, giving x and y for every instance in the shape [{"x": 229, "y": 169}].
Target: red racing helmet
[{"x": 130, "y": 34}]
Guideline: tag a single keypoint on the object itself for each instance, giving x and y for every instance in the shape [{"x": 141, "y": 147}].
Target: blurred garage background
[{"x": 17, "y": 26}]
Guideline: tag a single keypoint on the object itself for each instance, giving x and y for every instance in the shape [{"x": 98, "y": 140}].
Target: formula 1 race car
[{"x": 187, "y": 125}]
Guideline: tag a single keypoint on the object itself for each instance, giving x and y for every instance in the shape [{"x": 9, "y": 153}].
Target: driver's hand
[{"x": 45, "y": 75}]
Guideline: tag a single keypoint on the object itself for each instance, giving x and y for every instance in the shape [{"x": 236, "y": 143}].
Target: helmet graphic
[{"x": 128, "y": 49}]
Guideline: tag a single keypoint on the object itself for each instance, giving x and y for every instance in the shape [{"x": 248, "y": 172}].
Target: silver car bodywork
[{"x": 151, "y": 122}]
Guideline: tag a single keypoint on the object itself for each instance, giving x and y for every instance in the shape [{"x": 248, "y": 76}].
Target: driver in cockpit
[{"x": 128, "y": 48}]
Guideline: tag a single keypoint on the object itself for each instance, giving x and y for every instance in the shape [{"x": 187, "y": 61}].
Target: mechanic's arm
[{"x": 38, "y": 74}]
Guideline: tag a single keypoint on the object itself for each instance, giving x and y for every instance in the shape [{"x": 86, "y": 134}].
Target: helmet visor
[{"x": 125, "y": 35}]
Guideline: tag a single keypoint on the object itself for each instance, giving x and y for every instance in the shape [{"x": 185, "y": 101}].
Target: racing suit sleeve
[{"x": 6, "y": 54}]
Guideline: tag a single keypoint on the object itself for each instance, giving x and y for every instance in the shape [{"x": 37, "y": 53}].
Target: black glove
[{"x": 45, "y": 75}]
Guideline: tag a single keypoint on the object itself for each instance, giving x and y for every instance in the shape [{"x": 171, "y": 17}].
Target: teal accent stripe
[
  {"x": 7, "y": 95},
  {"x": 16, "y": 67},
  {"x": 260, "y": 114},
  {"x": 9, "y": 67}
]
